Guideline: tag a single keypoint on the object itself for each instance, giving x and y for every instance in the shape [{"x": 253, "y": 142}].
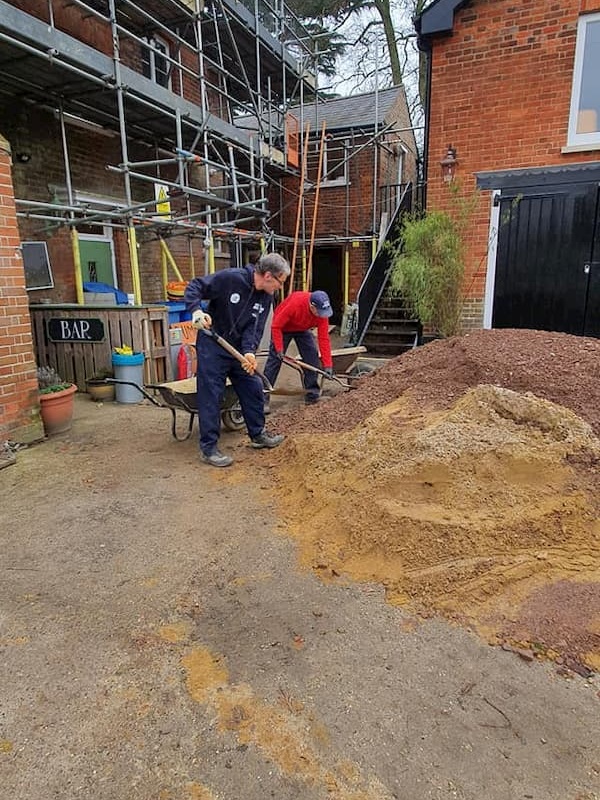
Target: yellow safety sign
[{"x": 163, "y": 204}]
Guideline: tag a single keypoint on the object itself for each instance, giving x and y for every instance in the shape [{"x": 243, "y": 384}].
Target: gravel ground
[
  {"x": 555, "y": 366},
  {"x": 162, "y": 636}
]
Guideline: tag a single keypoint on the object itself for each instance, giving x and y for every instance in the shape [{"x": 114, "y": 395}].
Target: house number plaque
[{"x": 75, "y": 330}]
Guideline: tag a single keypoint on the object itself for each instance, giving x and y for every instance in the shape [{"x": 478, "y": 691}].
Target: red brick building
[
  {"x": 513, "y": 92},
  {"x": 367, "y": 149},
  {"x": 123, "y": 141},
  {"x": 19, "y": 413}
]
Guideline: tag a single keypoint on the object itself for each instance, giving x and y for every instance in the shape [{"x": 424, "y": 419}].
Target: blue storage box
[{"x": 177, "y": 312}]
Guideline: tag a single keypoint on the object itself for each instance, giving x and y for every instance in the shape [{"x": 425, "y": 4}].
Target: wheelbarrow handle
[
  {"x": 138, "y": 387},
  {"x": 236, "y": 354}
]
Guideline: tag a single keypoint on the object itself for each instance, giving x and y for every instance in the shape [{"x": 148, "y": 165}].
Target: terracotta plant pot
[
  {"x": 100, "y": 392},
  {"x": 56, "y": 409}
]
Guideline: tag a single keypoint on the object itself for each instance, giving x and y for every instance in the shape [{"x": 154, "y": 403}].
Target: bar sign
[{"x": 75, "y": 330}]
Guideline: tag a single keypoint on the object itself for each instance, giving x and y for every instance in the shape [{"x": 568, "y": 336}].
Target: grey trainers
[
  {"x": 216, "y": 459},
  {"x": 265, "y": 439}
]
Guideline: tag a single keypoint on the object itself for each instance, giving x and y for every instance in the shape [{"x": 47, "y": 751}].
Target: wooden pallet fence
[{"x": 144, "y": 328}]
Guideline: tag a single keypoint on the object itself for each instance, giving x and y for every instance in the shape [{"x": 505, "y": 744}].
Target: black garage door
[{"x": 548, "y": 259}]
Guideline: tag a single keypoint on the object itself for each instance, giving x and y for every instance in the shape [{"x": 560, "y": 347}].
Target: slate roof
[{"x": 357, "y": 111}]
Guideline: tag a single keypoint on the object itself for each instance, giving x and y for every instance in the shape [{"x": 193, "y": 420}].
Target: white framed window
[
  {"x": 334, "y": 170},
  {"x": 155, "y": 63},
  {"x": 584, "y": 119}
]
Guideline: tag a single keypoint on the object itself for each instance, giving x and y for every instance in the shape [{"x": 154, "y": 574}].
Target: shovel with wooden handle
[
  {"x": 236, "y": 354},
  {"x": 296, "y": 363}
]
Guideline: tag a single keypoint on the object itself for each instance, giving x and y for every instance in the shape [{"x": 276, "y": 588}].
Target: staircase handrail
[{"x": 377, "y": 277}]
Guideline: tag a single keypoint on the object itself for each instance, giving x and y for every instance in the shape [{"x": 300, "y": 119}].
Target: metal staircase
[
  {"x": 385, "y": 327},
  {"x": 392, "y": 330}
]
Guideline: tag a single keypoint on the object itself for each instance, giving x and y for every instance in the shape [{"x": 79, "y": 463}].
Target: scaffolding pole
[
  {"x": 237, "y": 193},
  {"x": 299, "y": 209},
  {"x": 308, "y": 283}
]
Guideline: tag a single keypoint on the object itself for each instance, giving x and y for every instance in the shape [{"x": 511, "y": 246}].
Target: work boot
[
  {"x": 265, "y": 439},
  {"x": 311, "y": 399},
  {"x": 216, "y": 459}
]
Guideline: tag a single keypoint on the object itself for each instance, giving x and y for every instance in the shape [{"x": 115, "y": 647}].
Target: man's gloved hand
[
  {"x": 328, "y": 371},
  {"x": 249, "y": 364},
  {"x": 200, "y": 319}
]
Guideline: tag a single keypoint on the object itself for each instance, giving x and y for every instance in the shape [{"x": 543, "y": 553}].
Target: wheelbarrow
[
  {"x": 180, "y": 396},
  {"x": 345, "y": 367}
]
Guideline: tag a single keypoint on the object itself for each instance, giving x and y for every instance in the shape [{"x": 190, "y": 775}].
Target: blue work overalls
[{"x": 239, "y": 313}]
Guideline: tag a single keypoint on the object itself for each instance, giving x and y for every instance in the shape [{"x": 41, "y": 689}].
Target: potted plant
[
  {"x": 98, "y": 389},
  {"x": 56, "y": 397}
]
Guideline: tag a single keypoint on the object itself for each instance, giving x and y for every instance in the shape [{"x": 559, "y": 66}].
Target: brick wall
[
  {"x": 43, "y": 178},
  {"x": 67, "y": 17},
  {"x": 344, "y": 211},
  {"x": 500, "y": 94},
  {"x": 90, "y": 29},
  {"x": 19, "y": 409}
]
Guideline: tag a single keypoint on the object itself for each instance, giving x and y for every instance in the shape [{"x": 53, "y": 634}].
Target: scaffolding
[{"x": 206, "y": 85}]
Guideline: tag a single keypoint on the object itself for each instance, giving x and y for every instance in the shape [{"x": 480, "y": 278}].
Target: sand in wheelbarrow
[{"x": 461, "y": 496}]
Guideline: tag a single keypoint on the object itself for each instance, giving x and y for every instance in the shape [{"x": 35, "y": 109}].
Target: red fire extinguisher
[{"x": 185, "y": 364}]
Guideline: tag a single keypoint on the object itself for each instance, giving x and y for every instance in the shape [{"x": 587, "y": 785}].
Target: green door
[{"x": 96, "y": 261}]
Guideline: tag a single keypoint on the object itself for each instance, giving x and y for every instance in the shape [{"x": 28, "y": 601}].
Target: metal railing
[
  {"x": 376, "y": 279},
  {"x": 390, "y": 196}
]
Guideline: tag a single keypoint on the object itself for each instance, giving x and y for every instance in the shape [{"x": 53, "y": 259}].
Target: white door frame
[
  {"x": 490, "y": 277},
  {"x": 107, "y": 236}
]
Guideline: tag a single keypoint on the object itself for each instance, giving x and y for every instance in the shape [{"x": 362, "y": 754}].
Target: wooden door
[{"x": 545, "y": 276}]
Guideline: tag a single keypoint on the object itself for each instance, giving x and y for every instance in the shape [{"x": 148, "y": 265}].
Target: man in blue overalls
[{"x": 237, "y": 302}]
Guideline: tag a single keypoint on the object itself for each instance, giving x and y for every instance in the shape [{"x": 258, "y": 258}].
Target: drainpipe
[{"x": 424, "y": 46}]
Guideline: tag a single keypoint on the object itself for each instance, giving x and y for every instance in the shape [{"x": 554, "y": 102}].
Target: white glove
[{"x": 200, "y": 319}]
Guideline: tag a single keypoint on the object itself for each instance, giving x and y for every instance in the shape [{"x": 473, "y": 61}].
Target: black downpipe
[{"x": 424, "y": 46}]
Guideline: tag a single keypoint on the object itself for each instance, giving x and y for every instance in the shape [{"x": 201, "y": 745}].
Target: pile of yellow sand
[{"x": 464, "y": 511}]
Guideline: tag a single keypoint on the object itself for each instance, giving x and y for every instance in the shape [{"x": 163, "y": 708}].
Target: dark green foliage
[{"x": 428, "y": 270}]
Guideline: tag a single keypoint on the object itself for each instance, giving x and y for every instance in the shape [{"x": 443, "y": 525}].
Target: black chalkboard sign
[
  {"x": 38, "y": 273},
  {"x": 75, "y": 329}
]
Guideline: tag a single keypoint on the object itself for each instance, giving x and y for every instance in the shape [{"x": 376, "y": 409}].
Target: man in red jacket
[{"x": 293, "y": 319}]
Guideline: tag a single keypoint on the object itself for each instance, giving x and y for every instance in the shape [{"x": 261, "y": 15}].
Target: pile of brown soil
[
  {"x": 555, "y": 366},
  {"x": 461, "y": 497}
]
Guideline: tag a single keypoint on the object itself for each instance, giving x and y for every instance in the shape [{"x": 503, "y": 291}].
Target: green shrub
[{"x": 428, "y": 269}]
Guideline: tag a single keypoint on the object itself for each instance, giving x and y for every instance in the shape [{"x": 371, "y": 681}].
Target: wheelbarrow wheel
[{"x": 232, "y": 418}]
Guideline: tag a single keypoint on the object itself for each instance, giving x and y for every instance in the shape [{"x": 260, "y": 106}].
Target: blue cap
[{"x": 320, "y": 300}]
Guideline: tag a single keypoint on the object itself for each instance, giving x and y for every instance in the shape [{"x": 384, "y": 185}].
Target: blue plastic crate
[{"x": 177, "y": 312}]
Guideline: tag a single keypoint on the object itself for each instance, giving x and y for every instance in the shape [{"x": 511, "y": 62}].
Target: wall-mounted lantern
[{"x": 449, "y": 164}]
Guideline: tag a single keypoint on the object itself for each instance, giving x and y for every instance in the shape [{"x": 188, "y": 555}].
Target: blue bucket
[{"x": 128, "y": 368}]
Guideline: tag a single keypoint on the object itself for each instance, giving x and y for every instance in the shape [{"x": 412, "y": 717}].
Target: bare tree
[{"x": 372, "y": 43}]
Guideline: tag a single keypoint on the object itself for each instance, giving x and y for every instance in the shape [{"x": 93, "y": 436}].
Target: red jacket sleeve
[{"x": 324, "y": 341}]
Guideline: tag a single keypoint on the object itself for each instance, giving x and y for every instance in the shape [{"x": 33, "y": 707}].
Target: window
[
  {"x": 334, "y": 168},
  {"x": 584, "y": 121},
  {"x": 38, "y": 272},
  {"x": 155, "y": 64}
]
